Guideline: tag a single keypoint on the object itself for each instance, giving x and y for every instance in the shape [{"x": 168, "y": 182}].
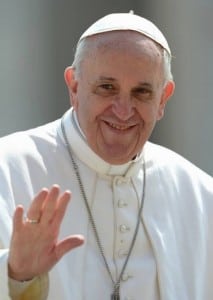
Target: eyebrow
[
  {"x": 107, "y": 78},
  {"x": 140, "y": 84},
  {"x": 147, "y": 84}
]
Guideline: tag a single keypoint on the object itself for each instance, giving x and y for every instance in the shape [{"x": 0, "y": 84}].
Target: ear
[
  {"x": 167, "y": 93},
  {"x": 72, "y": 84}
]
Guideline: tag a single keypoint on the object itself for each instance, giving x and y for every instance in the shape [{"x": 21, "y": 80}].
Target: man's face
[{"x": 119, "y": 95}]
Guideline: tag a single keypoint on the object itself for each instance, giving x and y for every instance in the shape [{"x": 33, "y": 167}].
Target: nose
[{"x": 123, "y": 107}]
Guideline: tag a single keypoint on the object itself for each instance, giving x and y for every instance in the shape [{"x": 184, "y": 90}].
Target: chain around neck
[{"x": 116, "y": 283}]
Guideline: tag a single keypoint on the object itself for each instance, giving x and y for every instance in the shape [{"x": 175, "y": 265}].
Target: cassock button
[
  {"x": 121, "y": 203},
  {"x": 124, "y": 228},
  {"x": 126, "y": 276},
  {"x": 118, "y": 181},
  {"x": 122, "y": 253}
]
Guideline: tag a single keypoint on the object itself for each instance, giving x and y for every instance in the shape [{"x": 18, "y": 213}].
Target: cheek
[
  {"x": 79, "y": 102},
  {"x": 78, "y": 98},
  {"x": 74, "y": 101},
  {"x": 149, "y": 113},
  {"x": 86, "y": 115}
]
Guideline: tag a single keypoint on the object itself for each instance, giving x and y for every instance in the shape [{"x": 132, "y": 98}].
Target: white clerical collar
[{"x": 77, "y": 141}]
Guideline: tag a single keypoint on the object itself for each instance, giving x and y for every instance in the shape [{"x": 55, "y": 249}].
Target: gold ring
[{"x": 32, "y": 221}]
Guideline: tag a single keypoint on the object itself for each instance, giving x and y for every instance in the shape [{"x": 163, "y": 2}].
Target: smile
[{"x": 119, "y": 127}]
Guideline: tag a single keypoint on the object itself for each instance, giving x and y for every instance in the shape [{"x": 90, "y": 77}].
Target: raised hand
[{"x": 34, "y": 247}]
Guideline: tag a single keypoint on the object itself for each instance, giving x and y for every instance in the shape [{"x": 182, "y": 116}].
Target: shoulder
[
  {"x": 29, "y": 150},
  {"x": 168, "y": 159},
  {"x": 172, "y": 166},
  {"x": 29, "y": 140}
]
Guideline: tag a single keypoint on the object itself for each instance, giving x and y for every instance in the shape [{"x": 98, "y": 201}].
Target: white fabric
[
  {"x": 3, "y": 273},
  {"x": 172, "y": 256}
]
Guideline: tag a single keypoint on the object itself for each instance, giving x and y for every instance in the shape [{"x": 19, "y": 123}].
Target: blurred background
[{"x": 37, "y": 41}]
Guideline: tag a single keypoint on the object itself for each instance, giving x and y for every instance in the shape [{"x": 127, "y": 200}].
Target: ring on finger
[{"x": 32, "y": 221}]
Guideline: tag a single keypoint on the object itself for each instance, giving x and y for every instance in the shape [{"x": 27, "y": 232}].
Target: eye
[
  {"x": 142, "y": 93},
  {"x": 105, "y": 89},
  {"x": 106, "y": 86},
  {"x": 142, "y": 90}
]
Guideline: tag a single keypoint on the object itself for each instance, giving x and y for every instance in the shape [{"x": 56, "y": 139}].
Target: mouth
[{"x": 119, "y": 127}]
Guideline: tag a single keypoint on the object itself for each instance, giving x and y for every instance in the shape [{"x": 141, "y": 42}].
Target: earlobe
[{"x": 167, "y": 93}]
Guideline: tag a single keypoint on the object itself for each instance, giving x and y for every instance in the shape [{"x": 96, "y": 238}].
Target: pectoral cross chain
[{"x": 115, "y": 295}]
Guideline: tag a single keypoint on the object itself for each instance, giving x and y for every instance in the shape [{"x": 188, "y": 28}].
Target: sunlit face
[{"x": 119, "y": 95}]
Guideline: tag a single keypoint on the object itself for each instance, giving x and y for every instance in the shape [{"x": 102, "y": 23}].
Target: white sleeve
[
  {"x": 5, "y": 233},
  {"x": 35, "y": 289},
  {"x": 11, "y": 286},
  {"x": 4, "y": 289},
  {"x": 18, "y": 287}
]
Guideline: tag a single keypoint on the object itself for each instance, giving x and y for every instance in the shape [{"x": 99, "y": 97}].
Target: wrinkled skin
[{"x": 119, "y": 94}]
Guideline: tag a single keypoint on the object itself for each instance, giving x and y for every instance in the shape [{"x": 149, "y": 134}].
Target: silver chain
[{"x": 116, "y": 284}]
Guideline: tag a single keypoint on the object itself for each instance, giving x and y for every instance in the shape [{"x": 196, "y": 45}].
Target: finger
[
  {"x": 68, "y": 244},
  {"x": 50, "y": 204},
  {"x": 18, "y": 218},
  {"x": 35, "y": 208},
  {"x": 62, "y": 206}
]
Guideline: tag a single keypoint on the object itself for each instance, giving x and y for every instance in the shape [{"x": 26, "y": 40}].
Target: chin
[{"x": 116, "y": 155}]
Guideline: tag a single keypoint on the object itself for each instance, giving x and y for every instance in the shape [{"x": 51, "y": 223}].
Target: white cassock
[{"x": 172, "y": 256}]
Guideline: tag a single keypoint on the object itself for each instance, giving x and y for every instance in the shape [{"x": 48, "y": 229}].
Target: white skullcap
[{"x": 127, "y": 21}]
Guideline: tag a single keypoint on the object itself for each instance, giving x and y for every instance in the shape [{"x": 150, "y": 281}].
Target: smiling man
[
  {"x": 119, "y": 92},
  {"x": 141, "y": 213}
]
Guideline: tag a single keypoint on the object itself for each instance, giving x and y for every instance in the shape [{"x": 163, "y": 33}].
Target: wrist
[{"x": 18, "y": 276}]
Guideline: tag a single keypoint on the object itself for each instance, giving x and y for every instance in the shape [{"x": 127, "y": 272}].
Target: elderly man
[{"x": 141, "y": 213}]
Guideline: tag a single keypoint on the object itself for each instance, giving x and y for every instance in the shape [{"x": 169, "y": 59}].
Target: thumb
[{"x": 68, "y": 244}]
